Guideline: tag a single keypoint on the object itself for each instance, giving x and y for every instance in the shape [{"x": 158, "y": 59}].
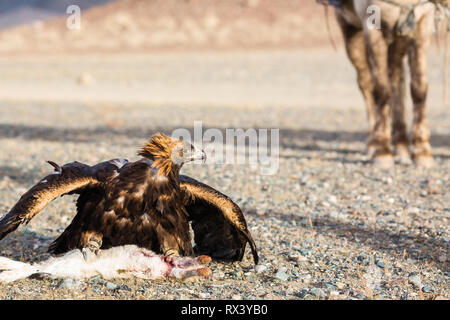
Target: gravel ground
[{"x": 327, "y": 225}]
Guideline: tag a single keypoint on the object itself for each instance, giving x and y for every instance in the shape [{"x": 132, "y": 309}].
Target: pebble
[
  {"x": 331, "y": 286},
  {"x": 415, "y": 280},
  {"x": 426, "y": 289},
  {"x": 282, "y": 275},
  {"x": 334, "y": 214},
  {"x": 332, "y": 199},
  {"x": 340, "y": 285},
  {"x": 413, "y": 210},
  {"x": 305, "y": 278},
  {"x": 302, "y": 293},
  {"x": 111, "y": 286},
  {"x": 70, "y": 284},
  {"x": 86, "y": 79},
  {"x": 380, "y": 264},
  {"x": 260, "y": 268},
  {"x": 318, "y": 292}
]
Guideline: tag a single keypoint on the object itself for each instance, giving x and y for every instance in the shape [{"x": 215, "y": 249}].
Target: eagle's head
[{"x": 169, "y": 154}]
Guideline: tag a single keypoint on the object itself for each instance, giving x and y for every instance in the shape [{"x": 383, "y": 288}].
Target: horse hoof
[
  {"x": 370, "y": 151},
  {"x": 424, "y": 161},
  {"x": 383, "y": 162},
  {"x": 402, "y": 155}
]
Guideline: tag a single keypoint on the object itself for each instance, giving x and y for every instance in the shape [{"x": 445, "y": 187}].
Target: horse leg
[
  {"x": 397, "y": 51},
  {"x": 377, "y": 51},
  {"x": 356, "y": 52},
  {"x": 421, "y": 149}
]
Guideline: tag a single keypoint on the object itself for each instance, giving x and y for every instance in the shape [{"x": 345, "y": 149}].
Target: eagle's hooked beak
[{"x": 199, "y": 155}]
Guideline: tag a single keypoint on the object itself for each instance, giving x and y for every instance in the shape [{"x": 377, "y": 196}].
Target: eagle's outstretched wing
[
  {"x": 71, "y": 178},
  {"x": 220, "y": 229}
]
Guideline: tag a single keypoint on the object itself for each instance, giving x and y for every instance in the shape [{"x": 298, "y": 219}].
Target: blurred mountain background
[
  {"x": 141, "y": 25},
  {"x": 18, "y": 12}
]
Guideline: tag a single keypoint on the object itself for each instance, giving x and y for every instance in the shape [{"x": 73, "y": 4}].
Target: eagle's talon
[
  {"x": 88, "y": 253},
  {"x": 171, "y": 253}
]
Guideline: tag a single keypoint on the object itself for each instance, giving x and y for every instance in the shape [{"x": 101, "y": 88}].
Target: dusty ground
[{"x": 327, "y": 225}]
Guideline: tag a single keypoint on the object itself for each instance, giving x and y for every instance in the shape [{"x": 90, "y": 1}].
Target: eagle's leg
[
  {"x": 171, "y": 253},
  {"x": 91, "y": 242},
  {"x": 173, "y": 244}
]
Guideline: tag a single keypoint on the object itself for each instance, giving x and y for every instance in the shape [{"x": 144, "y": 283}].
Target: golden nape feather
[{"x": 145, "y": 203}]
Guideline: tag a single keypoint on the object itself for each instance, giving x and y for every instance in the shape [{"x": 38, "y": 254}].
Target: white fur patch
[{"x": 118, "y": 262}]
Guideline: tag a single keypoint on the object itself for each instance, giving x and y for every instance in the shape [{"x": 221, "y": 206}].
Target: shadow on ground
[{"x": 288, "y": 137}]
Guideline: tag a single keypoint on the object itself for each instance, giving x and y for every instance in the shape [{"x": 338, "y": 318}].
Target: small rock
[
  {"x": 388, "y": 180},
  {"x": 305, "y": 278},
  {"x": 413, "y": 210},
  {"x": 261, "y": 292},
  {"x": 281, "y": 274},
  {"x": 318, "y": 292},
  {"x": 70, "y": 284},
  {"x": 426, "y": 289},
  {"x": 415, "y": 280},
  {"x": 302, "y": 293},
  {"x": 331, "y": 287},
  {"x": 260, "y": 268},
  {"x": 334, "y": 214},
  {"x": 332, "y": 199},
  {"x": 340, "y": 285},
  {"x": 380, "y": 264},
  {"x": 111, "y": 286},
  {"x": 86, "y": 79},
  {"x": 236, "y": 297},
  {"x": 290, "y": 291}
]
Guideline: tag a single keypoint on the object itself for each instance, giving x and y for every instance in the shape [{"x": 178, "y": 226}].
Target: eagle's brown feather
[
  {"x": 70, "y": 178},
  {"x": 220, "y": 229}
]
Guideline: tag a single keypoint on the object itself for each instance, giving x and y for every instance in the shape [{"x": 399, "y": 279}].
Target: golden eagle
[{"x": 146, "y": 203}]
